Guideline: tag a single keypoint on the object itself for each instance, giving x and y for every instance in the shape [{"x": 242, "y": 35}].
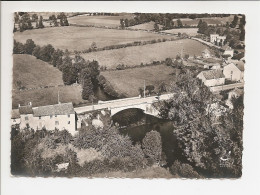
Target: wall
[
  {"x": 49, "y": 122},
  {"x": 235, "y": 76}
]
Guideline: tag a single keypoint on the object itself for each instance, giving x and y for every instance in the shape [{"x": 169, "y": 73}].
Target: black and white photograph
[
  {"x": 138, "y": 95},
  {"x": 117, "y": 94}
]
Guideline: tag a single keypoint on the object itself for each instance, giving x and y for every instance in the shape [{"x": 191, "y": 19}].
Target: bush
[{"x": 183, "y": 170}]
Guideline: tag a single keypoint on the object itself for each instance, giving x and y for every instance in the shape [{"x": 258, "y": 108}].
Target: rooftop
[
  {"x": 15, "y": 114},
  {"x": 26, "y": 109},
  {"x": 213, "y": 74},
  {"x": 57, "y": 109}
]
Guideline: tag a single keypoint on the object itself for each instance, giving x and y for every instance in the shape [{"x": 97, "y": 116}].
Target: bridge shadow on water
[{"x": 136, "y": 124}]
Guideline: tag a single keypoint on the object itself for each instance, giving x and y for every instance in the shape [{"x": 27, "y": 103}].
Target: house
[
  {"x": 229, "y": 51},
  {"x": 212, "y": 77},
  {"x": 235, "y": 93},
  {"x": 15, "y": 117},
  {"x": 206, "y": 53},
  {"x": 234, "y": 72},
  {"x": 217, "y": 40},
  {"x": 212, "y": 66},
  {"x": 213, "y": 38},
  {"x": 59, "y": 116}
]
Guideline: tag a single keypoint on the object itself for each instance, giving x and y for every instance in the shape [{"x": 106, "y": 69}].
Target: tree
[
  {"x": 41, "y": 23},
  {"x": 126, "y": 22},
  {"x": 152, "y": 146},
  {"x": 29, "y": 46},
  {"x": 162, "y": 87},
  {"x": 234, "y": 22},
  {"x": 36, "y": 51},
  {"x": 46, "y": 53},
  {"x": 179, "y": 23},
  {"x": 183, "y": 170},
  {"x": 150, "y": 89},
  {"x": 168, "y": 61},
  {"x": 87, "y": 86},
  {"x": 156, "y": 27},
  {"x": 18, "y": 48},
  {"x": 199, "y": 24},
  {"x": 93, "y": 46},
  {"x": 203, "y": 27},
  {"x": 34, "y": 17},
  {"x": 69, "y": 74},
  {"x": 57, "y": 58}
]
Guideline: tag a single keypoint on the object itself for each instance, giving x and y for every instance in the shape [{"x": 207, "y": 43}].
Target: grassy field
[
  {"x": 81, "y": 38},
  {"x": 128, "y": 81},
  {"x": 132, "y": 56},
  {"x": 145, "y": 26},
  {"x": 188, "y": 31},
  {"x": 33, "y": 73},
  {"x": 48, "y": 96},
  {"x": 210, "y": 21},
  {"x": 110, "y": 21}
]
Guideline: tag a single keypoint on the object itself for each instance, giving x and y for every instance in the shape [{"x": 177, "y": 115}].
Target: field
[
  {"x": 145, "y": 26},
  {"x": 109, "y": 21},
  {"x": 33, "y": 73},
  {"x": 128, "y": 81},
  {"x": 48, "y": 96},
  {"x": 81, "y": 38},
  {"x": 210, "y": 21},
  {"x": 132, "y": 56},
  {"x": 188, "y": 31}
]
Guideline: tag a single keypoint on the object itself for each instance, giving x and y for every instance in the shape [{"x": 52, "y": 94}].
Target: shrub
[{"x": 183, "y": 170}]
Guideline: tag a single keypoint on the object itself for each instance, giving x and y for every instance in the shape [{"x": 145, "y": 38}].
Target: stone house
[
  {"x": 234, "y": 72},
  {"x": 212, "y": 77},
  {"x": 59, "y": 116}
]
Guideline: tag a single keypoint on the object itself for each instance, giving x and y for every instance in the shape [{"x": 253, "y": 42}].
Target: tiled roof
[
  {"x": 213, "y": 74},
  {"x": 26, "y": 109},
  {"x": 15, "y": 114},
  {"x": 57, "y": 109}
]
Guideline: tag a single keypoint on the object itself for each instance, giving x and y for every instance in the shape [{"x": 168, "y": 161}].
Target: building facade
[
  {"x": 234, "y": 72},
  {"x": 212, "y": 77},
  {"x": 59, "y": 116}
]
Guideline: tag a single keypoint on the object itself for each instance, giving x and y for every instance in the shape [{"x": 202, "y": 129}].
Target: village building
[
  {"x": 213, "y": 38},
  {"x": 234, "y": 72},
  {"x": 228, "y": 51},
  {"x": 217, "y": 40},
  {"x": 59, "y": 116},
  {"x": 206, "y": 53},
  {"x": 212, "y": 77},
  {"x": 212, "y": 66}
]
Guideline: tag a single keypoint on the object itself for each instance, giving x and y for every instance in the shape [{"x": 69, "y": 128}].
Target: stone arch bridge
[{"x": 118, "y": 105}]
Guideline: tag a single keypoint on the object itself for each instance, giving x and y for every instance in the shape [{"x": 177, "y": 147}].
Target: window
[
  {"x": 68, "y": 115},
  {"x": 14, "y": 120},
  {"x": 55, "y": 115},
  {"x": 56, "y": 122},
  {"x": 231, "y": 72},
  {"x": 50, "y": 116},
  {"x": 40, "y": 117},
  {"x": 68, "y": 122},
  {"x": 26, "y": 118}
]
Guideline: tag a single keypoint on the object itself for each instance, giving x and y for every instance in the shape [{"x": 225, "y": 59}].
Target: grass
[
  {"x": 32, "y": 72},
  {"x": 48, "y": 96},
  {"x": 110, "y": 21},
  {"x": 128, "y": 81},
  {"x": 188, "y": 31},
  {"x": 81, "y": 38},
  {"x": 145, "y": 26},
  {"x": 132, "y": 56}
]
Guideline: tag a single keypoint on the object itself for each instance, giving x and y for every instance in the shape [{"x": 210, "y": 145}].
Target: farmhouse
[
  {"x": 234, "y": 72},
  {"x": 59, "y": 116},
  {"x": 206, "y": 53},
  {"x": 212, "y": 77}
]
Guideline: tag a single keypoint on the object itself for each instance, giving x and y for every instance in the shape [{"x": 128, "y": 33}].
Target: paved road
[{"x": 121, "y": 103}]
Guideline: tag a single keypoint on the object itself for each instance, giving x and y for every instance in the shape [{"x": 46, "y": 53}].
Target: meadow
[
  {"x": 145, "y": 26},
  {"x": 32, "y": 73},
  {"x": 109, "y": 21},
  {"x": 133, "y": 56},
  {"x": 128, "y": 81},
  {"x": 188, "y": 31},
  {"x": 48, "y": 96},
  {"x": 81, "y": 38}
]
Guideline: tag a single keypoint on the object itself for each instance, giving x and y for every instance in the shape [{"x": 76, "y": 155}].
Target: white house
[
  {"x": 59, "y": 116},
  {"x": 217, "y": 40},
  {"x": 213, "y": 38},
  {"x": 229, "y": 51},
  {"x": 234, "y": 72},
  {"x": 206, "y": 53},
  {"x": 212, "y": 77}
]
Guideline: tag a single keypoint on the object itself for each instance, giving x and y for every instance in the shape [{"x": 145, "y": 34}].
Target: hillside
[{"x": 33, "y": 73}]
